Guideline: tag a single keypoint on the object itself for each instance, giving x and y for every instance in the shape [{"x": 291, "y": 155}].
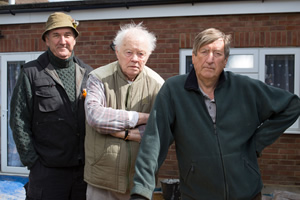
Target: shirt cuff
[{"x": 133, "y": 118}]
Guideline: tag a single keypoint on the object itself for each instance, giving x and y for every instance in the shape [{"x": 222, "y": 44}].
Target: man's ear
[
  {"x": 117, "y": 53},
  {"x": 193, "y": 57},
  {"x": 47, "y": 41},
  {"x": 225, "y": 62}
]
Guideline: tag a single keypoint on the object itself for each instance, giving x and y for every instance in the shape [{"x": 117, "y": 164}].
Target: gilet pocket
[{"x": 47, "y": 95}]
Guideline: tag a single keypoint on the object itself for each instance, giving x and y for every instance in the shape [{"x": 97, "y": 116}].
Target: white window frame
[
  {"x": 295, "y": 128},
  {"x": 183, "y": 53},
  {"x": 258, "y": 71},
  {"x": 6, "y": 57}
]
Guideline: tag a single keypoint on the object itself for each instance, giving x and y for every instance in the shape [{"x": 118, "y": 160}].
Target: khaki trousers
[{"x": 94, "y": 193}]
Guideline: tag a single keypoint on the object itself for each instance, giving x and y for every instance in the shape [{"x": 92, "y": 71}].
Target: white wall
[{"x": 172, "y": 10}]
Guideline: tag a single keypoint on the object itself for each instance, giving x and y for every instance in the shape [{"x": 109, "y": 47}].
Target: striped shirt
[{"x": 102, "y": 118}]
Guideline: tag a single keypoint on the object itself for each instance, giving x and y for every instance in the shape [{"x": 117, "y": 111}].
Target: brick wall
[{"x": 280, "y": 163}]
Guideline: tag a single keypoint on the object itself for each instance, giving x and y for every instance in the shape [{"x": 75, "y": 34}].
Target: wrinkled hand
[{"x": 134, "y": 135}]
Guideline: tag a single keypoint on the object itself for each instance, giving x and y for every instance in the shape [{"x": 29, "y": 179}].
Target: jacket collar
[
  {"x": 191, "y": 82},
  {"x": 43, "y": 60}
]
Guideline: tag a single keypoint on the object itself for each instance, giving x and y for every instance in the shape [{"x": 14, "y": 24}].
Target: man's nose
[
  {"x": 134, "y": 57},
  {"x": 62, "y": 39},
  {"x": 210, "y": 57}
]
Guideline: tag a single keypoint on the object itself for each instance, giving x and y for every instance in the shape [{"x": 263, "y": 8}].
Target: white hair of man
[{"x": 135, "y": 29}]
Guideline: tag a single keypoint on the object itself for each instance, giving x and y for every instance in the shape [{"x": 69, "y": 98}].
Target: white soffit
[{"x": 171, "y": 10}]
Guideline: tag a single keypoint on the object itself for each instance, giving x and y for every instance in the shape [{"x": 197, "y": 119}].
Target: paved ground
[
  {"x": 281, "y": 192},
  {"x": 11, "y": 187}
]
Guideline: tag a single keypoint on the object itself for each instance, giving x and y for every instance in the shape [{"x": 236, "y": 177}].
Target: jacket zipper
[
  {"x": 127, "y": 99},
  {"x": 222, "y": 162}
]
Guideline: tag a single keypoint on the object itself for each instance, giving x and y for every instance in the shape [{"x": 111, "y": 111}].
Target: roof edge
[{"x": 93, "y": 4}]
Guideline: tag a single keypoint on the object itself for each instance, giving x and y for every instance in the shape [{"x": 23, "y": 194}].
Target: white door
[{"x": 10, "y": 68}]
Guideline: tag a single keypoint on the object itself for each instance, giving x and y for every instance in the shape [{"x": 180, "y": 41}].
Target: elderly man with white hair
[{"x": 119, "y": 98}]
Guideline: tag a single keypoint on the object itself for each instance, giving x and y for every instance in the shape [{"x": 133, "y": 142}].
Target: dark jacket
[
  {"x": 55, "y": 132},
  {"x": 216, "y": 161}
]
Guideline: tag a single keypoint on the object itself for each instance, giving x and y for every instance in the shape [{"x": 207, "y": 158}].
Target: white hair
[{"x": 134, "y": 28}]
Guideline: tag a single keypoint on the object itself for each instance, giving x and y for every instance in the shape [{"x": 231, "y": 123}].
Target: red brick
[{"x": 286, "y": 151}]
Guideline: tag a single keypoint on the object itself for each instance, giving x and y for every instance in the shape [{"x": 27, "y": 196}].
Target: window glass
[
  {"x": 280, "y": 71},
  {"x": 13, "y": 70},
  {"x": 240, "y": 61},
  {"x": 189, "y": 64}
]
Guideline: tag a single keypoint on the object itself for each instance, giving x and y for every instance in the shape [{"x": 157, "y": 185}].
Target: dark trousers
[
  {"x": 257, "y": 197},
  {"x": 55, "y": 183}
]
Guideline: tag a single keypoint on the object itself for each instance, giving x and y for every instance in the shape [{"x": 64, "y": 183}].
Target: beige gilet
[{"x": 109, "y": 161}]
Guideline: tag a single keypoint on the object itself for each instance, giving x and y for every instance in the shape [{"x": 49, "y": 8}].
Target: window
[
  {"x": 280, "y": 68},
  {"x": 185, "y": 61},
  {"x": 274, "y": 66},
  {"x": 243, "y": 61},
  {"x": 10, "y": 68}
]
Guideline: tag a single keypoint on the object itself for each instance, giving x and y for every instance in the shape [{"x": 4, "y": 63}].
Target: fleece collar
[{"x": 191, "y": 82}]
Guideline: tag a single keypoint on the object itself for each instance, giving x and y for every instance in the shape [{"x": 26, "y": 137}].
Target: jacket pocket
[
  {"x": 107, "y": 170},
  {"x": 243, "y": 178},
  {"x": 201, "y": 178},
  {"x": 251, "y": 167},
  {"x": 189, "y": 169},
  {"x": 109, "y": 157},
  {"x": 47, "y": 95}
]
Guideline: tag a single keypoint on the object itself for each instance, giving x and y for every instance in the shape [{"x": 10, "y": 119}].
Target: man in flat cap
[{"x": 47, "y": 115}]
